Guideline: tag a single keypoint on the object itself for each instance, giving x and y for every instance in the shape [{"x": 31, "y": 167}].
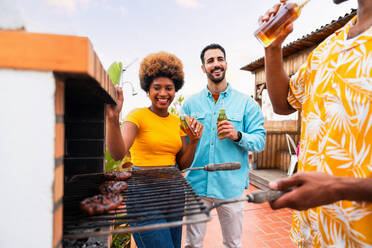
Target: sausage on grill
[
  {"x": 117, "y": 175},
  {"x": 113, "y": 187},
  {"x": 100, "y": 204}
]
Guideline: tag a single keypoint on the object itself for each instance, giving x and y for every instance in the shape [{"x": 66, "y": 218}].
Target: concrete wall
[{"x": 26, "y": 158}]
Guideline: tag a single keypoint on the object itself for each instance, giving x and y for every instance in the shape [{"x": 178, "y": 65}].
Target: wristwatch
[{"x": 239, "y": 136}]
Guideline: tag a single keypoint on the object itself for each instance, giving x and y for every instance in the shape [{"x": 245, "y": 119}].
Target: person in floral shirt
[{"x": 332, "y": 193}]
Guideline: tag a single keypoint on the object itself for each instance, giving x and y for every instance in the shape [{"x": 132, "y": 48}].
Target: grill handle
[
  {"x": 217, "y": 167},
  {"x": 223, "y": 166}
]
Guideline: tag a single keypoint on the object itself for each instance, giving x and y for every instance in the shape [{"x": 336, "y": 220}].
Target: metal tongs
[
  {"x": 257, "y": 196},
  {"x": 261, "y": 196},
  {"x": 216, "y": 167}
]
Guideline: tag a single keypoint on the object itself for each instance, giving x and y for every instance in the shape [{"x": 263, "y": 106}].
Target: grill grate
[{"x": 155, "y": 194}]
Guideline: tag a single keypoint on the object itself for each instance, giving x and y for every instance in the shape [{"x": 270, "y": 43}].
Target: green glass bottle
[{"x": 221, "y": 117}]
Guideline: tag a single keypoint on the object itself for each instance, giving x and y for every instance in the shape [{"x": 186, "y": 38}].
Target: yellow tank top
[{"x": 158, "y": 139}]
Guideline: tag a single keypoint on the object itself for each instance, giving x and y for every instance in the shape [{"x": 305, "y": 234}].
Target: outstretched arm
[
  {"x": 312, "y": 189},
  {"x": 277, "y": 80},
  {"x": 118, "y": 142}
]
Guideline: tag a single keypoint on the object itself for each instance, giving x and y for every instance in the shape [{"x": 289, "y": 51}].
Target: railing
[{"x": 275, "y": 155}]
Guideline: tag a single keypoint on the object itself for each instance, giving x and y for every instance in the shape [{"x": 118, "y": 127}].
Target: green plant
[
  {"x": 118, "y": 240},
  {"x": 176, "y": 105},
  {"x": 111, "y": 164},
  {"x": 114, "y": 71}
]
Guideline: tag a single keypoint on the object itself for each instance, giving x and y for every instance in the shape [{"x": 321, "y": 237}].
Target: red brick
[
  {"x": 57, "y": 225},
  {"x": 59, "y": 141},
  {"x": 58, "y": 183},
  {"x": 60, "y": 97}
]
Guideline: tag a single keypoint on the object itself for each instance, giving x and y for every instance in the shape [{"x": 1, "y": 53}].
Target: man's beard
[{"x": 219, "y": 79}]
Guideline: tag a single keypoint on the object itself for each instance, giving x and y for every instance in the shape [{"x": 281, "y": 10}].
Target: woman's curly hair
[{"x": 161, "y": 64}]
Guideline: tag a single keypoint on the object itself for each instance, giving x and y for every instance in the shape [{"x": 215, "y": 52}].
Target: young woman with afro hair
[{"x": 154, "y": 136}]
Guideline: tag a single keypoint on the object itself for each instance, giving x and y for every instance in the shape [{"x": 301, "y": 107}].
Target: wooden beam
[{"x": 261, "y": 87}]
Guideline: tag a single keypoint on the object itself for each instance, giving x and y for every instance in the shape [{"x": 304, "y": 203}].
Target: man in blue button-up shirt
[{"x": 242, "y": 132}]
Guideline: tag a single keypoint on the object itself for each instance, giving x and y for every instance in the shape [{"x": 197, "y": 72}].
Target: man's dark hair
[{"x": 211, "y": 46}]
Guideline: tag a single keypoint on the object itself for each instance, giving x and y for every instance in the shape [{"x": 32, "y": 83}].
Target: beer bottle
[
  {"x": 270, "y": 30},
  {"x": 183, "y": 121},
  {"x": 221, "y": 117}
]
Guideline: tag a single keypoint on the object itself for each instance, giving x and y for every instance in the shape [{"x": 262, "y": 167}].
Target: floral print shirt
[{"x": 333, "y": 91}]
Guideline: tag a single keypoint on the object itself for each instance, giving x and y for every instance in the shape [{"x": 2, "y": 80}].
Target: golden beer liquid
[{"x": 271, "y": 29}]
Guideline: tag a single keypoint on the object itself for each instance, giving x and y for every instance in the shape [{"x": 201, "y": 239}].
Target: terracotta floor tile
[
  {"x": 254, "y": 243},
  {"x": 284, "y": 231},
  {"x": 272, "y": 244},
  {"x": 269, "y": 228},
  {"x": 262, "y": 227}
]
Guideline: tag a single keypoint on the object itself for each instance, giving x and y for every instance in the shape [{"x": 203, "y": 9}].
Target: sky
[{"x": 128, "y": 30}]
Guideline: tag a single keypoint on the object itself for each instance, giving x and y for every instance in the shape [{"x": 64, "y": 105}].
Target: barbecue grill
[{"x": 151, "y": 195}]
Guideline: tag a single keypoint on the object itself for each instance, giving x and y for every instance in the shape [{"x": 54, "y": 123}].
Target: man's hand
[
  {"x": 113, "y": 111},
  {"x": 226, "y": 129},
  {"x": 311, "y": 189},
  {"x": 269, "y": 14}
]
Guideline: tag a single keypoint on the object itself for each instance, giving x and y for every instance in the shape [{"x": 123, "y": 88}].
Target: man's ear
[{"x": 203, "y": 68}]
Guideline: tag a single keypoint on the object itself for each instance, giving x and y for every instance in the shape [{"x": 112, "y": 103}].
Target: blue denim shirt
[{"x": 246, "y": 116}]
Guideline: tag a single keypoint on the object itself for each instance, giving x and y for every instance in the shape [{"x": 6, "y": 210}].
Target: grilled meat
[
  {"x": 113, "y": 187},
  {"x": 100, "y": 204},
  {"x": 117, "y": 175}
]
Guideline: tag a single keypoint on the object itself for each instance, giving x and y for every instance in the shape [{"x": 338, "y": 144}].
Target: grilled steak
[
  {"x": 117, "y": 175},
  {"x": 100, "y": 204},
  {"x": 113, "y": 187}
]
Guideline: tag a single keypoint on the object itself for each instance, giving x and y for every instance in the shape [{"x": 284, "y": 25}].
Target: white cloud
[
  {"x": 65, "y": 4},
  {"x": 68, "y": 5},
  {"x": 190, "y": 3}
]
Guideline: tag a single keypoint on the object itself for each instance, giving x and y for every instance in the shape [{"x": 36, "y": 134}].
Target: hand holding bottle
[
  {"x": 191, "y": 127},
  {"x": 276, "y": 24},
  {"x": 226, "y": 129},
  {"x": 271, "y": 12}
]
